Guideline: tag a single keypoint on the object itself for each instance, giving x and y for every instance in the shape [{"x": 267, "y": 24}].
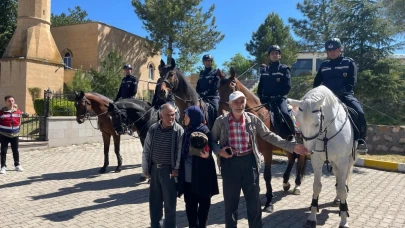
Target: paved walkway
[{"x": 61, "y": 187}]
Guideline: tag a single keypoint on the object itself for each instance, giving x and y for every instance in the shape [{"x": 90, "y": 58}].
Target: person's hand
[
  {"x": 300, "y": 149},
  {"x": 223, "y": 153},
  {"x": 175, "y": 173},
  {"x": 204, "y": 154}
]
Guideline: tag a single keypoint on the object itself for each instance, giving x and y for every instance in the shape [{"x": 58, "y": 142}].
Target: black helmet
[
  {"x": 273, "y": 48},
  {"x": 332, "y": 44},
  {"x": 207, "y": 57},
  {"x": 127, "y": 67}
]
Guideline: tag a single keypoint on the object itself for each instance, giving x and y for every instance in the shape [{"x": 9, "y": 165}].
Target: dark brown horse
[
  {"x": 253, "y": 105},
  {"x": 86, "y": 102}
]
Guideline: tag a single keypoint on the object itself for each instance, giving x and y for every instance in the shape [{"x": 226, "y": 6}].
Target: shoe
[
  {"x": 19, "y": 168},
  {"x": 291, "y": 138},
  {"x": 361, "y": 147},
  {"x": 3, "y": 170}
]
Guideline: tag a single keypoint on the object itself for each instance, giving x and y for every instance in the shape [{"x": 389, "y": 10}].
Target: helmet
[
  {"x": 127, "y": 67},
  {"x": 332, "y": 44},
  {"x": 273, "y": 48},
  {"x": 207, "y": 57}
]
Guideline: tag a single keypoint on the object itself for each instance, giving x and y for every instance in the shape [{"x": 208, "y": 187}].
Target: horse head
[
  {"x": 81, "y": 104},
  {"x": 170, "y": 82},
  {"x": 227, "y": 86},
  {"x": 118, "y": 118}
]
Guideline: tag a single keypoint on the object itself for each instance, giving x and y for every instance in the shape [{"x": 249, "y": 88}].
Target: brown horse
[
  {"x": 253, "y": 105},
  {"x": 85, "y": 102}
]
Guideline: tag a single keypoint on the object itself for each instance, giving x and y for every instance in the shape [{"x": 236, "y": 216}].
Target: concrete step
[{"x": 27, "y": 146}]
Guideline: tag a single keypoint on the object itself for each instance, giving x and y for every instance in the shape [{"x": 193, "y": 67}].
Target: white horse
[{"x": 329, "y": 135}]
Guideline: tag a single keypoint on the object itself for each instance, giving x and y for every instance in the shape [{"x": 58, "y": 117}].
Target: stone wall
[
  {"x": 65, "y": 131},
  {"x": 382, "y": 138}
]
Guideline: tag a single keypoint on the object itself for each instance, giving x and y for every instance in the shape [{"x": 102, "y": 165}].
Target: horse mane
[
  {"x": 98, "y": 98},
  {"x": 321, "y": 93},
  {"x": 184, "y": 85}
]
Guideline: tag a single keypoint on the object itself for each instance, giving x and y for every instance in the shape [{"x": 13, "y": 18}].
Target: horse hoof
[
  {"x": 268, "y": 209},
  {"x": 117, "y": 170},
  {"x": 336, "y": 202},
  {"x": 297, "y": 191},
  {"x": 102, "y": 170},
  {"x": 310, "y": 224},
  {"x": 286, "y": 186},
  {"x": 343, "y": 226}
]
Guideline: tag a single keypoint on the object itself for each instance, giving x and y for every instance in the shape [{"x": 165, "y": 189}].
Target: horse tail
[{"x": 304, "y": 167}]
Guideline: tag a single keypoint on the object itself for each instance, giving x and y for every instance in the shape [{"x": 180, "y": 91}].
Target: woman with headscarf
[{"x": 198, "y": 179}]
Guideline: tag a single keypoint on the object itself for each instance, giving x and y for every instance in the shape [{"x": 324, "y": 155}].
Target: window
[
  {"x": 151, "y": 70},
  {"x": 67, "y": 59},
  {"x": 303, "y": 67},
  {"x": 318, "y": 63}
]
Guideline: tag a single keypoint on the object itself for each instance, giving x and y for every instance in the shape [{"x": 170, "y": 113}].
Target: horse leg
[
  {"x": 106, "y": 141},
  {"x": 317, "y": 164},
  {"x": 286, "y": 176},
  {"x": 336, "y": 201},
  {"x": 341, "y": 188},
  {"x": 301, "y": 166},
  {"x": 268, "y": 206},
  {"x": 117, "y": 139}
]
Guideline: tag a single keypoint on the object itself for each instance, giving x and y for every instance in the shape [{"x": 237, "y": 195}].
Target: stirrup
[{"x": 361, "y": 148}]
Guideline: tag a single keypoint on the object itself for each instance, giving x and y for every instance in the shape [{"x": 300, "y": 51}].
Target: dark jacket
[
  {"x": 339, "y": 75},
  {"x": 275, "y": 81},
  {"x": 203, "y": 174},
  {"x": 128, "y": 87}
]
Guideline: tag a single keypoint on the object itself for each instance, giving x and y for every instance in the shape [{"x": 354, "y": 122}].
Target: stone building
[{"x": 40, "y": 56}]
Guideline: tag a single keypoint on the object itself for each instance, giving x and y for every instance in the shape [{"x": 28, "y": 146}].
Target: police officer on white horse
[
  {"x": 274, "y": 85},
  {"x": 339, "y": 74}
]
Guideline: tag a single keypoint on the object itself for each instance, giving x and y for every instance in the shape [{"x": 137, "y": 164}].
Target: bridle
[
  {"x": 86, "y": 114},
  {"x": 172, "y": 73}
]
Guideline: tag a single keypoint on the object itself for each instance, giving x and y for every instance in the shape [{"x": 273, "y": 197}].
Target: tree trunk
[{"x": 169, "y": 51}]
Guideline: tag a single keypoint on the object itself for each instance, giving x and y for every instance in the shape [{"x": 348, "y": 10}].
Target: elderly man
[
  {"x": 234, "y": 139},
  {"x": 161, "y": 160}
]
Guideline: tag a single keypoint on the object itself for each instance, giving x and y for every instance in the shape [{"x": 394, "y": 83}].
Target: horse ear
[
  {"x": 76, "y": 93},
  {"x": 110, "y": 107},
  {"x": 162, "y": 63},
  {"x": 173, "y": 64},
  {"x": 81, "y": 93},
  {"x": 294, "y": 103},
  {"x": 233, "y": 73}
]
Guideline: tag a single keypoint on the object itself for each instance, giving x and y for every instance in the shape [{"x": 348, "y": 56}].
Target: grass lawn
[{"x": 385, "y": 156}]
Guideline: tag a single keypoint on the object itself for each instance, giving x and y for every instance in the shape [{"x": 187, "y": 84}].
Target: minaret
[
  {"x": 32, "y": 38},
  {"x": 32, "y": 59}
]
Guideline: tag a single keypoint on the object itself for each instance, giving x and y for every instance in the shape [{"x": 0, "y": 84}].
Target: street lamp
[
  {"x": 48, "y": 93},
  {"x": 47, "y": 98}
]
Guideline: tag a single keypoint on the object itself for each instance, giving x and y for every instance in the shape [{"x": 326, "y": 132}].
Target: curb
[{"x": 368, "y": 163}]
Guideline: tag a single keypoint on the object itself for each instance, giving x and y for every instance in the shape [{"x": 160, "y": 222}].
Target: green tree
[
  {"x": 367, "y": 37},
  {"x": 187, "y": 62},
  {"x": 317, "y": 26},
  {"x": 81, "y": 82},
  {"x": 394, "y": 11},
  {"x": 108, "y": 79},
  {"x": 8, "y": 22},
  {"x": 273, "y": 31},
  {"x": 241, "y": 65},
  {"x": 75, "y": 16},
  {"x": 178, "y": 25}
]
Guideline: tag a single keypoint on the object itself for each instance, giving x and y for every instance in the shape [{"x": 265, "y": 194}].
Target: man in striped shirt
[
  {"x": 161, "y": 160},
  {"x": 234, "y": 138}
]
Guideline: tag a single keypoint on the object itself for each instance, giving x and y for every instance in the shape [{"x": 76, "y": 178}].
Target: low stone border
[{"x": 368, "y": 163}]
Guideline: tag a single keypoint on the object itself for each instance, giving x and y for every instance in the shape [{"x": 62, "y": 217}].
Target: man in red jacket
[{"x": 10, "y": 120}]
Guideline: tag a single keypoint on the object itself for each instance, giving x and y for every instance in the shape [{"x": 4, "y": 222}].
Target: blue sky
[{"x": 237, "y": 20}]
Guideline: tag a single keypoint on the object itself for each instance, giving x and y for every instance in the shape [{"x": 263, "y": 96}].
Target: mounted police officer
[
  {"x": 207, "y": 87},
  {"x": 129, "y": 84},
  {"x": 339, "y": 74},
  {"x": 273, "y": 88}
]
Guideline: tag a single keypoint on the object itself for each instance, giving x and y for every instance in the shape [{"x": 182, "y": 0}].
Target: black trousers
[
  {"x": 353, "y": 103},
  {"x": 197, "y": 208},
  {"x": 4, "y": 140},
  {"x": 241, "y": 173},
  {"x": 162, "y": 190},
  {"x": 280, "y": 106}
]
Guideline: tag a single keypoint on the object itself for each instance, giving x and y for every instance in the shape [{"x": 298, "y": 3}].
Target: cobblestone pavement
[{"x": 61, "y": 187}]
